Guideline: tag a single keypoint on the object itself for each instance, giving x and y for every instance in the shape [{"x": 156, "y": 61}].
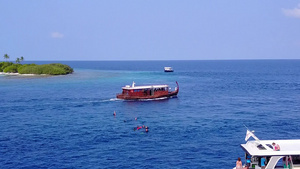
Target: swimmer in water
[
  {"x": 137, "y": 128},
  {"x": 135, "y": 118},
  {"x": 115, "y": 113}
]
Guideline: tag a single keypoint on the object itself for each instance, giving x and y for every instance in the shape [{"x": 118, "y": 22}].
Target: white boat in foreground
[{"x": 288, "y": 157}]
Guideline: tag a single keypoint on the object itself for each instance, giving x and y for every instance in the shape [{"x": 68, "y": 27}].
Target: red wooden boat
[{"x": 147, "y": 92}]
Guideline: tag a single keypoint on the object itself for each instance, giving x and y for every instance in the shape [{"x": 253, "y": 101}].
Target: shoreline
[{"x": 18, "y": 74}]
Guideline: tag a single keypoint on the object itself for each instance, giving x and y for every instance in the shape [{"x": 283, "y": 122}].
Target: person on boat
[
  {"x": 263, "y": 162},
  {"x": 239, "y": 164},
  {"x": 276, "y": 147},
  {"x": 286, "y": 162},
  {"x": 248, "y": 161}
]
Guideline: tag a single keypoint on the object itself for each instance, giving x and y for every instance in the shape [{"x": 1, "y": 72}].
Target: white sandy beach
[{"x": 18, "y": 74}]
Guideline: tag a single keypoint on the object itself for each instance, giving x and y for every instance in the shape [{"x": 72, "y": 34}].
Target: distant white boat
[{"x": 169, "y": 69}]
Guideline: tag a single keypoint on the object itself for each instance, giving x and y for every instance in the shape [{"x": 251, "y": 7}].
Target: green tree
[
  {"x": 11, "y": 69},
  {"x": 6, "y": 56},
  {"x": 18, "y": 60},
  {"x": 21, "y": 59}
]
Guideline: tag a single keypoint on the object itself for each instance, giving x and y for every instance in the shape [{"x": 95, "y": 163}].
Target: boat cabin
[{"x": 146, "y": 92}]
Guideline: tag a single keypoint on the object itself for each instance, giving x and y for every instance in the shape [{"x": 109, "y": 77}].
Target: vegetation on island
[{"x": 48, "y": 69}]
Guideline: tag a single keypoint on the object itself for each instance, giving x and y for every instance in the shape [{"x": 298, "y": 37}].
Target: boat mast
[{"x": 250, "y": 134}]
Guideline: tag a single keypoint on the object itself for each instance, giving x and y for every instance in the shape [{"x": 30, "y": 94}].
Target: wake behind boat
[
  {"x": 147, "y": 92},
  {"x": 271, "y": 154}
]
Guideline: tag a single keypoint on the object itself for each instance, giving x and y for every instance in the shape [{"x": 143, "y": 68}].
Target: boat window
[
  {"x": 269, "y": 145},
  {"x": 260, "y": 147}
]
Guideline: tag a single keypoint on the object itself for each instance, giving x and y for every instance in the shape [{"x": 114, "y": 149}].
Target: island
[{"x": 45, "y": 69}]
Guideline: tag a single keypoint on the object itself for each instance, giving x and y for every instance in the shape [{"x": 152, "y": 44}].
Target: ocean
[{"x": 67, "y": 121}]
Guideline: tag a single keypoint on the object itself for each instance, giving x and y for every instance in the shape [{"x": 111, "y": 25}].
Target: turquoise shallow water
[{"x": 68, "y": 122}]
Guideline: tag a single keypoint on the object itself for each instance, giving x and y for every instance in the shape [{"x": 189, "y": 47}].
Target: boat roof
[
  {"x": 144, "y": 87},
  {"x": 264, "y": 147}
]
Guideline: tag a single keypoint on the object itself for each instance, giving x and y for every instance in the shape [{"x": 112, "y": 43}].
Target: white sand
[{"x": 17, "y": 74}]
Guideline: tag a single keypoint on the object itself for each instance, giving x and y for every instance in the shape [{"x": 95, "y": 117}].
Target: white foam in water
[
  {"x": 114, "y": 99},
  {"x": 161, "y": 98}
]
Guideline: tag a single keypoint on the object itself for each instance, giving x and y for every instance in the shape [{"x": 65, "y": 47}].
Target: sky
[{"x": 46, "y": 30}]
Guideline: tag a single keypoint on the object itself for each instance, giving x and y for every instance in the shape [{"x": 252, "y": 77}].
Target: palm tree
[
  {"x": 18, "y": 60},
  {"x": 6, "y": 56},
  {"x": 22, "y": 58}
]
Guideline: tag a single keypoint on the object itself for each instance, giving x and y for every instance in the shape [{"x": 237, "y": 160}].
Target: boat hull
[{"x": 124, "y": 97}]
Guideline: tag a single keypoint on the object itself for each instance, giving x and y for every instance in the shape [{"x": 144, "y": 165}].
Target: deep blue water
[{"x": 67, "y": 121}]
